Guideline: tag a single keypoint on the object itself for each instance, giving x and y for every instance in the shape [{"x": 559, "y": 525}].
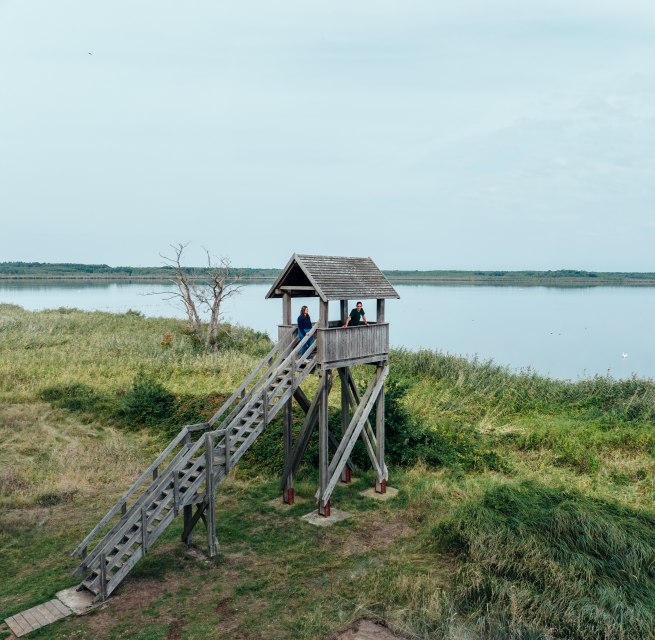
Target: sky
[{"x": 426, "y": 135}]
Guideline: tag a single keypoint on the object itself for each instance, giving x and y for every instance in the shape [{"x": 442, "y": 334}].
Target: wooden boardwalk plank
[
  {"x": 32, "y": 621},
  {"x": 18, "y": 625},
  {"x": 61, "y": 607},
  {"x": 40, "y": 617},
  {"x": 56, "y": 613},
  {"x": 37, "y": 617}
]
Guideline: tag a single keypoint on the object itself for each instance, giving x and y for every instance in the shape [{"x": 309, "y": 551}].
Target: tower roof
[{"x": 331, "y": 278}]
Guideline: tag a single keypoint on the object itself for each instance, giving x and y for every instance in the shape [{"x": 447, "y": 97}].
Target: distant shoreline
[{"x": 73, "y": 273}]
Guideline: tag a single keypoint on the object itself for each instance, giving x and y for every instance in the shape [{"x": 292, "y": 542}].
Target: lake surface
[{"x": 563, "y": 333}]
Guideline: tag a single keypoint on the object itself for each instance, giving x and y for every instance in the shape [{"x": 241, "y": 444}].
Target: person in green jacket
[{"x": 356, "y": 317}]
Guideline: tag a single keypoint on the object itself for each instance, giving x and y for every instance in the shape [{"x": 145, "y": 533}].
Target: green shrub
[{"x": 147, "y": 403}]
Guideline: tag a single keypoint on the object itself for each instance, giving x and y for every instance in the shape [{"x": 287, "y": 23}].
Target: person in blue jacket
[{"x": 304, "y": 327}]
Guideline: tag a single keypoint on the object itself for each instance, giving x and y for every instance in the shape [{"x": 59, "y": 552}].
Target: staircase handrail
[
  {"x": 274, "y": 364},
  {"x": 241, "y": 388},
  {"x": 266, "y": 381},
  {"x": 135, "y": 486},
  {"x": 160, "y": 479},
  {"x": 80, "y": 550},
  {"x": 180, "y": 458}
]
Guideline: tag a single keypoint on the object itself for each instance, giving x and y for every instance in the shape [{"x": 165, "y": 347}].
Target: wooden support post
[
  {"x": 209, "y": 496},
  {"x": 286, "y": 309},
  {"x": 344, "y": 311},
  {"x": 188, "y": 527},
  {"x": 287, "y": 491},
  {"x": 323, "y": 464},
  {"x": 380, "y": 311},
  {"x": 323, "y": 314},
  {"x": 345, "y": 413},
  {"x": 380, "y": 485}
]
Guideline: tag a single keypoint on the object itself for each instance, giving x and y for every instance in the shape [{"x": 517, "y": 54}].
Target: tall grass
[
  {"x": 540, "y": 560},
  {"x": 485, "y": 386}
]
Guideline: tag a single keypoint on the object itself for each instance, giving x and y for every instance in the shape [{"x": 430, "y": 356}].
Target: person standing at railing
[
  {"x": 304, "y": 327},
  {"x": 356, "y": 317}
]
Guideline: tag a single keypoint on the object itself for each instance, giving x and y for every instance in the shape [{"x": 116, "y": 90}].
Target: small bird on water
[{"x": 624, "y": 355}]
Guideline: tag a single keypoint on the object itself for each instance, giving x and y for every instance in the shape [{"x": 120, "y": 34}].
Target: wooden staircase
[{"x": 188, "y": 471}]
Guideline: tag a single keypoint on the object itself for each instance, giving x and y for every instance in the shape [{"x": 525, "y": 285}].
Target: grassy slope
[{"x": 533, "y": 520}]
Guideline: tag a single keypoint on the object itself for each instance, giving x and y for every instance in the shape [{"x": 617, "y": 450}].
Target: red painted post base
[
  {"x": 288, "y": 496},
  {"x": 380, "y": 486},
  {"x": 345, "y": 476},
  {"x": 324, "y": 511}
]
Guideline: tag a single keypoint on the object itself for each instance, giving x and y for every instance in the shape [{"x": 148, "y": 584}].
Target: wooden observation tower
[
  {"x": 184, "y": 478},
  {"x": 344, "y": 280}
]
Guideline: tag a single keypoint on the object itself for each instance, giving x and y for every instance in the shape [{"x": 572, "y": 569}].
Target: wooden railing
[{"x": 352, "y": 344}]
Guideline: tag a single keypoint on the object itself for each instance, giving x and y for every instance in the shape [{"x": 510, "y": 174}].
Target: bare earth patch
[
  {"x": 365, "y": 630},
  {"x": 374, "y": 535},
  {"x": 127, "y": 603}
]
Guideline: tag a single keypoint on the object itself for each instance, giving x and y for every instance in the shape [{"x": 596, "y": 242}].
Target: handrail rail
[
  {"x": 266, "y": 360},
  {"x": 138, "y": 483},
  {"x": 281, "y": 365},
  {"x": 184, "y": 454},
  {"x": 273, "y": 366},
  {"x": 162, "y": 456}
]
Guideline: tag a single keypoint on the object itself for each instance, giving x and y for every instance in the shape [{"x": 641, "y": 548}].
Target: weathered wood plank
[{"x": 352, "y": 343}]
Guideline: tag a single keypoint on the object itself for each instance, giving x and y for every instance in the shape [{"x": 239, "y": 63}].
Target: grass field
[{"x": 526, "y": 506}]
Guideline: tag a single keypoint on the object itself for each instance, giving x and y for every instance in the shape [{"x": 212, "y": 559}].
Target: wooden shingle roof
[{"x": 332, "y": 278}]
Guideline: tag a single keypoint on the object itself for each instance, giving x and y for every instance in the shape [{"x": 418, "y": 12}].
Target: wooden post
[
  {"x": 176, "y": 492},
  {"x": 287, "y": 491},
  {"x": 144, "y": 530},
  {"x": 286, "y": 309},
  {"x": 323, "y": 314},
  {"x": 344, "y": 311},
  {"x": 209, "y": 495},
  {"x": 323, "y": 461},
  {"x": 188, "y": 517},
  {"x": 103, "y": 576},
  {"x": 380, "y": 485},
  {"x": 380, "y": 311},
  {"x": 345, "y": 414}
]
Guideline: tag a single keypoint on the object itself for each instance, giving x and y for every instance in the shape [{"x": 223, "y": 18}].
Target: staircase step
[
  {"x": 88, "y": 583},
  {"x": 120, "y": 554}
]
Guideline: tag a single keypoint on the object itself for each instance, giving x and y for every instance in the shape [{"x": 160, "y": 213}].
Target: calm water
[{"x": 564, "y": 333}]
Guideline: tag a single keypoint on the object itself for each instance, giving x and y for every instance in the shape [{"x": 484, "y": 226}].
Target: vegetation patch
[{"x": 539, "y": 559}]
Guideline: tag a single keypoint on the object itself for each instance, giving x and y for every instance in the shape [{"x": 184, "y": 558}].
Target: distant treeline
[
  {"x": 103, "y": 271},
  {"x": 562, "y": 277}
]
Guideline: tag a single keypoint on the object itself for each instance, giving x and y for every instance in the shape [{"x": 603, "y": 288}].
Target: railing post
[
  {"x": 228, "y": 450},
  {"x": 209, "y": 495},
  {"x": 103, "y": 576},
  {"x": 176, "y": 492},
  {"x": 265, "y": 407},
  {"x": 144, "y": 530}
]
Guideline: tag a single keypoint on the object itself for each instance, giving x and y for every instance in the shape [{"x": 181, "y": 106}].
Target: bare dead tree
[{"x": 203, "y": 294}]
